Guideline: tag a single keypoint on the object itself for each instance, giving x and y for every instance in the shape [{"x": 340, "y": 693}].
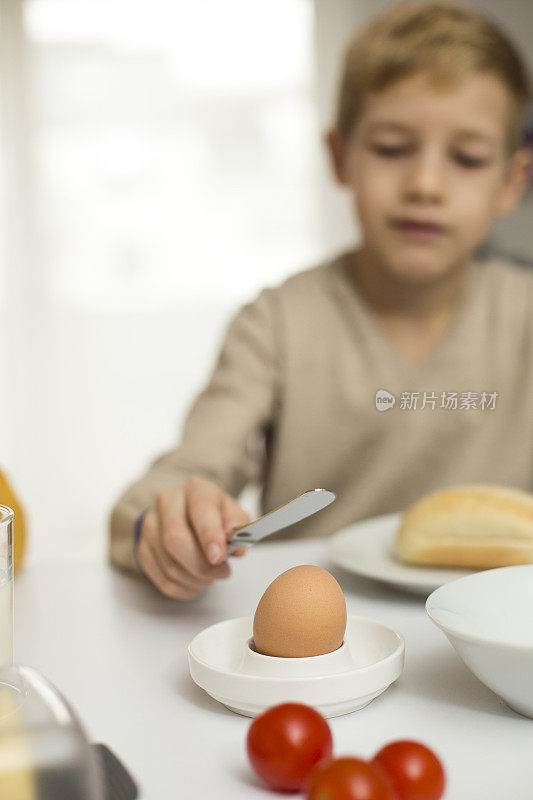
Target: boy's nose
[{"x": 425, "y": 179}]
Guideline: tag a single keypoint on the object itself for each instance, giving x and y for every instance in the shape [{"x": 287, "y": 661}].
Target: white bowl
[
  {"x": 488, "y": 618},
  {"x": 224, "y": 664}
]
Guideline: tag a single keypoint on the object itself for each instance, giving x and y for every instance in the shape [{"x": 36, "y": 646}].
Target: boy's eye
[
  {"x": 471, "y": 162},
  {"x": 398, "y": 150},
  {"x": 389, "y": 150}
]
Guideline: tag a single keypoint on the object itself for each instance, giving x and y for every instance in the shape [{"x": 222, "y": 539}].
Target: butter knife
[{"x": 300, "y": 507}]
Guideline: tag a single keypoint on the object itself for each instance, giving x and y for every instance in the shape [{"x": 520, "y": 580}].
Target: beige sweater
[{"x": 291, "y": 403}]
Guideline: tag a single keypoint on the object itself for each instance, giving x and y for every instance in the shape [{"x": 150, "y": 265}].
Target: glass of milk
[{"x": 6, "y": 586}]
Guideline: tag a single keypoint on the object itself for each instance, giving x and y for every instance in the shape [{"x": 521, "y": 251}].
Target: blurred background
[{"x": 160, "y": 162}]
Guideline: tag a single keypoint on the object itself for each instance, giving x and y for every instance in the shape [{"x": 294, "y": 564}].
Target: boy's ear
[
  {"x": 516, "y": 180},
  {"x": 335, "y": 151}
]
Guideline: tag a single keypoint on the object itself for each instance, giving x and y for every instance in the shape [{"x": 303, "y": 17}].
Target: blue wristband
[{"x": 137, "y": 536}]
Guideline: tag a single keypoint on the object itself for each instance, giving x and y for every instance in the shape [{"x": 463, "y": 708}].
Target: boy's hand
[{"x": 182, "y": 547}]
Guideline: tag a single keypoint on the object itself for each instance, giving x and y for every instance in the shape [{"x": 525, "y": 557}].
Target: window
[{"x": 175, "y": 143}]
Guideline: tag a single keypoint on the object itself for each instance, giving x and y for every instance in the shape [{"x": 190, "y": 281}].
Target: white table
[{"x": 118, "y": 651}]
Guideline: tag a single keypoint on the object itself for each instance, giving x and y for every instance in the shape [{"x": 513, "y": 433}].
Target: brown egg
[{"x": 302, "y": 613}]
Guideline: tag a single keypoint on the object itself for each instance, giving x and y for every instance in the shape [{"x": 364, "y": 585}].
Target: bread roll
[{"x": 477, "y": 525}]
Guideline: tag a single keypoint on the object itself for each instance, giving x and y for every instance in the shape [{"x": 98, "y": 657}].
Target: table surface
[{"x": 117, "y": 650}]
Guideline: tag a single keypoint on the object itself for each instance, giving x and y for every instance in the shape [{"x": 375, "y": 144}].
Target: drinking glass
[{"x": 6, "y": 586}]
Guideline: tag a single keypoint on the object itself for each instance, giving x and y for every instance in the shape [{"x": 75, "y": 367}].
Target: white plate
[{"x": 367, "y": 548}]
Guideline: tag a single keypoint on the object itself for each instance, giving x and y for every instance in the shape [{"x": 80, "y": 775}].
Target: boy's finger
[
  {"x": 233, "y": 515},
  {"x": 169, "y": 588},
  {"x": 173, "y": 523},
  {"x": 176, "y": 539},
  {"x": 177, "y": 572},
  {"x": 240, "y": 551},
  {"x": 206, "y": 520}
]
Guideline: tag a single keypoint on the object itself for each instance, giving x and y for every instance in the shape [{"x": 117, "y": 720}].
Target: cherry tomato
[
  {"x": 414, "y": 770},
  {"x": 349, "y": 779},
  {"x": 285, "y": 742}
]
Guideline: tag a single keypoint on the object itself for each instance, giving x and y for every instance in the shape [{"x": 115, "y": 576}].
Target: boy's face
[{"x": 429, "y": 170}]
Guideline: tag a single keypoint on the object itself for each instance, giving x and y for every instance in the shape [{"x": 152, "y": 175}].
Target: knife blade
[{"x": 295, "y": 510}]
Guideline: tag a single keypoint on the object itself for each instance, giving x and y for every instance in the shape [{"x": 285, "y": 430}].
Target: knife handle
[
  {"x": 232, "y": 546},
  {"x": 239, "y": 539}
]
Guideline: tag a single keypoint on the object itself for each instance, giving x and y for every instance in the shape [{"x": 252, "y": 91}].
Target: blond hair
[{"x": 443, "y": 40}]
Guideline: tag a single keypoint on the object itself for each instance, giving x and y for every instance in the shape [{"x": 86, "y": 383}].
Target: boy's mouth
[{"x": 421, "y": 229}]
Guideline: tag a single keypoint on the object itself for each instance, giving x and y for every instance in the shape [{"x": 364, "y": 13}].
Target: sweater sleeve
[{"x": 224, "y": 430}]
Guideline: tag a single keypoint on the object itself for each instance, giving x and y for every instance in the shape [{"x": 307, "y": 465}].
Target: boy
[{"x": 427, "y": 139}]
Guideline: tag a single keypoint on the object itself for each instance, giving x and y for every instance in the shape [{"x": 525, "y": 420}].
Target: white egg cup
[{"x": 222, "y": 661}]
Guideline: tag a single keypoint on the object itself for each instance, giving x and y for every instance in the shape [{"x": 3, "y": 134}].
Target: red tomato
[
  {"x": 285, "y": 742},
  {"x": 414, "y": 770},
  {"x": 348, "y": 779}
]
